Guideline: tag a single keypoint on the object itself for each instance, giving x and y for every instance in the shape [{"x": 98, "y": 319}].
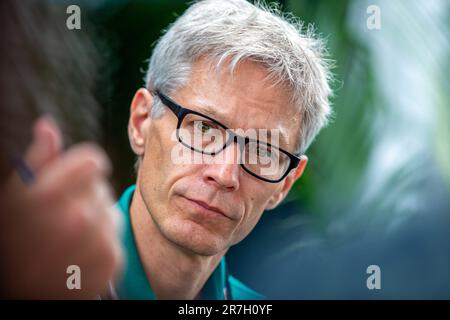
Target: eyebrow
[
  {"x": 283, "y": 139},
  {"x": 208, "y": 110}
]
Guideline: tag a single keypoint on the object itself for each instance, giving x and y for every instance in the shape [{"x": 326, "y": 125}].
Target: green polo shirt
[{"x": 135, "y": 285}]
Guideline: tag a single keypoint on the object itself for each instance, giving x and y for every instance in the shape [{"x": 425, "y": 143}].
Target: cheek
[
  {"x": 158, "y": 172},
  {"x": 246, "y": 226},
  {"x": 158, "y": 148},
  {"x": 254, "y": 211},
  {"x": 155, "y": 165}
]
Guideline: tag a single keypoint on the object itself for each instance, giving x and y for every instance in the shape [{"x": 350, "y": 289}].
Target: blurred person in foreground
[
  {"x": 56, "y": 206},
  {"x": 221, "y": 70}
]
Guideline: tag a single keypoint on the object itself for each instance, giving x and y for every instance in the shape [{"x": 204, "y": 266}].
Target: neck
[{"x": 173, "y": 272}]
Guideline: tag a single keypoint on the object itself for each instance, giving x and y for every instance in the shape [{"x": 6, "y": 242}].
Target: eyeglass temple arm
[{"x": 177, "y": 109}]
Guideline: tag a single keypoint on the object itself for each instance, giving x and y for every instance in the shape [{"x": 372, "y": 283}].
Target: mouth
[{"x": 206, "y": 208}]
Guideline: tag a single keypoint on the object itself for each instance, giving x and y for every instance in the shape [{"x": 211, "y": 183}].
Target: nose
[{"x": 224, "y": 171}]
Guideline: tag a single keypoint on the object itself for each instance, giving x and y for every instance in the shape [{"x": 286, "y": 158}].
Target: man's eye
[
  {"x": 203, "y": 126},
  {"x": 263, "y": 152}
]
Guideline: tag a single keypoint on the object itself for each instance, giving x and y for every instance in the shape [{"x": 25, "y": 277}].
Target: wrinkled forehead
[{"x": 245, "y": 98}]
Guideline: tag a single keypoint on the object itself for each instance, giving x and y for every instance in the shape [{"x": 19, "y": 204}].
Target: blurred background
[{"x": 377, "y": 185}]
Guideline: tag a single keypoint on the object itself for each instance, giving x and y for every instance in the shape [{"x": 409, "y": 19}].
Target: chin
[{"x": 195, "y": 238}]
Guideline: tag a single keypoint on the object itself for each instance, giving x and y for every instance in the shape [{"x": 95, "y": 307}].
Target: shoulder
[{"x": 240, "y": 291}]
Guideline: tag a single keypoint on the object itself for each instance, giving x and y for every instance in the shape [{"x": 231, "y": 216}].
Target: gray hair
[{"x": 238, "y": 30}]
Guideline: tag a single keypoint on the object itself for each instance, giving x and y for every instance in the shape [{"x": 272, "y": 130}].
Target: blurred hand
[{"x": 66, "y": 216}]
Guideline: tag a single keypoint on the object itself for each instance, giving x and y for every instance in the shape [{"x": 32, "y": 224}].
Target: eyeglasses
[{"x": 260, "y": 159}]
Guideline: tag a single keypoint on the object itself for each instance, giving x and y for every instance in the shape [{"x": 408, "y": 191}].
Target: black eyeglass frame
[{"x": 181, "y": 112}]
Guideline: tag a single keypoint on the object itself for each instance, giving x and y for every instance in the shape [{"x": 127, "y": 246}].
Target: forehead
[{"x": 245, "y": 99}]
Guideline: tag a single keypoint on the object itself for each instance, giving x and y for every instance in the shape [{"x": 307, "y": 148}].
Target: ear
[
  {"x": 286, "y": 184},
  {"x": 139, "y": 115}
]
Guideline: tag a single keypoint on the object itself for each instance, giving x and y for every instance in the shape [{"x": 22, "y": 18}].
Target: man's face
[{"x": 206, "y": 208}]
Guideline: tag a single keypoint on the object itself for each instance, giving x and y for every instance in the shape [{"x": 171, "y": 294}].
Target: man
[{"x": 221, "y": 70}]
